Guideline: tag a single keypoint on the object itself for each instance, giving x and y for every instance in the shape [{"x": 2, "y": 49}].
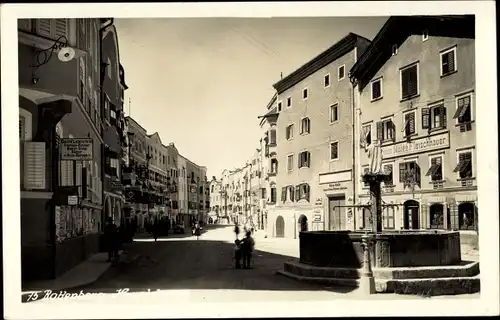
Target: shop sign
[
  {"x": 317, "y": 217},
  {"x": 78, "y": 149},
  {"x": 419, "y": 145},
  {"x": 337, "y": 186},
  {"x": 72, "y": 200}
]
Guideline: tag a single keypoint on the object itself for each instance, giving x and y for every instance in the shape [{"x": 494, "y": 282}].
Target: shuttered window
[
  {"x": 304, "y": 159},
  {"x": 409, "y": 126},
  {"x": 52, "y": 28},
  {"x": 22, "y": 128},
  {"x": 409, "y": 81},
  {"x": 464, "y": 112},
  {"x": 448, "y": 59}
]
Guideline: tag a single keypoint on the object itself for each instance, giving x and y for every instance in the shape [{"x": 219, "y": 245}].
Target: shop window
[
  {"x": 436, "y": 216},
  {"x": 388, "y": 218}
]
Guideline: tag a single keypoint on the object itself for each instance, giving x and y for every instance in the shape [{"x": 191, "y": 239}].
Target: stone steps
[
  {"x": 430, "y": 286},
  {"x": 343, "y": 282},
  {"x": 426, "y": 281}
]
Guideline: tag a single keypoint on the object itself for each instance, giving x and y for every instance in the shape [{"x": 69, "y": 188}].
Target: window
[
  {"x": 334, "y": 113},
  {"x": 302, "y": 191},
  {"x": 436, "y": 216},
  {"x": 289, "y": 162},
  {"x": 334, "y": 150},
  {"x": 341, "y": 72},
  {"x": 435, "y": 169},
  {"x": 280, "y": 106},
  {"x": 409, "y": 126},
  {"x": 425, "y": 35},
  {"x": 327, "y": 81},
  {"x": 304, "y": 159},
  {"x": 448, "y": 61},
  {"x": 394, "y": 49},
  {"x": 388, "y": 218},
  {"x": 409, "y": 81},
  {"x": 434, "y": 118},
  {"x": 272, "y": 140},
  {"x": 263, "y": 193},
  {"x": 305, "y": 93},
  {"x": 289, "y": 131},
  {"x": 305, "y": 126},
  {"x": 464, "y": 166},
  {"x": 386, "y": 130},
  {"x": 273, "y": 195},
  {"x": 288, "y": 102},
  {"x": 376, "y": 86},
  {"x": 464, "y": 113},
  {"x": 274, "y": 166},
  {"x": 389, "y": 181},
  {"x": 283, "y": 194},
  {"x": 366, "y": 137},
  {"x": 409, "y": 173}
]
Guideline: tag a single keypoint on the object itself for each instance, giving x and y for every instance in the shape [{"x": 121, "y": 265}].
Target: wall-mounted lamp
[{"x": 43, "y": 56}]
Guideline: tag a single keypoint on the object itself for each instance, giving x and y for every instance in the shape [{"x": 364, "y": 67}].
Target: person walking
[
  {"x": 247, "y": 249},
  {"x": 236, "y": 230},
  {"x": 237, "y": 254},
  {"x": 155, "y": 229},
  {"x": 112, "y": 240}
]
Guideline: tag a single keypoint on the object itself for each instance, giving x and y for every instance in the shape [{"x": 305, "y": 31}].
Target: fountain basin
[{"x": 390, "y": 249}]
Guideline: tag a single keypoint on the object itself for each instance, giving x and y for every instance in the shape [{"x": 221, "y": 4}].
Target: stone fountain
[{"x": 408, "y": 262}]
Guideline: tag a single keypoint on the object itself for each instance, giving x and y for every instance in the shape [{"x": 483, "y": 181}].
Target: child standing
[{"x": 237, "y": 253}]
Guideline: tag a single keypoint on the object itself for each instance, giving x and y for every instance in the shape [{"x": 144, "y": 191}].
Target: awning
[
  {"x": 433, "y": 169},
  {"x": 462, "y": 164}
]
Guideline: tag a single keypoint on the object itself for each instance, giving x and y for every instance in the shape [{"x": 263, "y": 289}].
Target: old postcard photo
[{"x": 249, "y": 159}]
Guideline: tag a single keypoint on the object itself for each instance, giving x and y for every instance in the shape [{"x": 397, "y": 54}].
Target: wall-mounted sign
[
  {"x": 72, "y": 200},
  {"x": 317, "y": 217},
  {"x": 425, "y": 144},
  {"x": 76, "y": 149},
  {"x": 335, "y": 187}
]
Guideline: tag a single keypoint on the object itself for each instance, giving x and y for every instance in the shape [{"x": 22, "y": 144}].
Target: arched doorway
[
  {"x": 466, "y": 216},
  {"x": 411, "y": 213},
  {"x": 280, "y": 227},
  {"x": 302, "y": 223},
  {"x": 436, "y": 216}
]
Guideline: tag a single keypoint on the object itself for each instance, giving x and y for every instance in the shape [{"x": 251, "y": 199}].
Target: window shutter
[
  {"x": 292, "y": 195},
  {"x": 425, "y": 118},
  {"x": 412, "y": 122},
  {"x": 34, "y": 165},
  {"x": 70, "y": 173},
  {"x": 283, "y": 194},
  {"x": 79, "y": 168},
  {"x": 442, "y": 116},
  {"x": 392, "y": 130},
  {"x": 402, "y": 172},
  {"x": 417, "y": 174},
  {"x": 307, "y": 192},
  {"x": 22, "y": 128},
  {"x": 380, "y": 131},
  {"x": 297, "y": 193},
  {"x": 44, "y": 27},
  {"x": 61, "y": 27}
]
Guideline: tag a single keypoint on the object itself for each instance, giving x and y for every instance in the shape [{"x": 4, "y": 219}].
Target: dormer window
[{"x": 394, "y": 49}]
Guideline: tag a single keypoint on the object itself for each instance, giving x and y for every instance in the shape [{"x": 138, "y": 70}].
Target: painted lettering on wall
[
  {"x": 424, "y": 144},
  {"x": 335, "y": 187}
]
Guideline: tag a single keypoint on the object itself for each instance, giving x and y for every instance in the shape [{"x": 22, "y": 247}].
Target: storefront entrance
[
  {"x": 336, "y": 214},
  {"x": 411, "y": 213},
  {"x": 303, "y": 223}
]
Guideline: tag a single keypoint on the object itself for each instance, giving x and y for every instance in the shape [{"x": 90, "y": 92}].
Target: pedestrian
[
  {"x": 236, "y": 230},
  {"x": 197, "y": 230},
  {"x": 154, "y": 229},
  {"x": 112, "y": 240},
  {"x": 247, "y": 249},
  {"x": 237, "y": 254}
]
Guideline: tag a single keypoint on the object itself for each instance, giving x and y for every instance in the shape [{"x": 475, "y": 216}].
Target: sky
[{"x": 201, "y": 83}]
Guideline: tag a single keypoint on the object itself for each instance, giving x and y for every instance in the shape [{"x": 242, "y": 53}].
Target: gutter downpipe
[
  {"x": 102, "y": 71},
  {"x": 354, "y": 153}
]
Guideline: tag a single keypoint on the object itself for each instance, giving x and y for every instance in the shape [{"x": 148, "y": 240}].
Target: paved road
[{"x": 184, "y": 269}]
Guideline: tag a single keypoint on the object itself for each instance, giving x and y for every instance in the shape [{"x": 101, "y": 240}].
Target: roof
[
  {"x": 331, "y": 54},
  {"x": 395, "y": 32},
  {"x": 128, "y": 118}
]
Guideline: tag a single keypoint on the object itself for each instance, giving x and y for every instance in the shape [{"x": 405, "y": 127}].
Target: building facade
[
  {"x": 183, "y": 197},
  {"x": 313, "y": 156},
  {"x": 112, "y": 76},
  {"x": 216, "y": 202},
  {"x": 61, "y": 191},
  {"x": 416, "y": 96}
]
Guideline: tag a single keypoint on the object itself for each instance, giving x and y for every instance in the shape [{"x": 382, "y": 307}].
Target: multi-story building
[
  {"x": 172, "y": 169},
  {"x": 416, "y": 94},
  {"x": 183, "y": 194},
  {"x": 158, "y": 179},
  {"x": 136, "y": 186},
  {"x": 314, "y": 144},
  {"x": 268, "y": 161},
  {"x": 114, "y": 134},
  {"x": 216, "y": 202},
  {"x": 61, "y": 140},
  {"x": 198, "y": 191}
]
